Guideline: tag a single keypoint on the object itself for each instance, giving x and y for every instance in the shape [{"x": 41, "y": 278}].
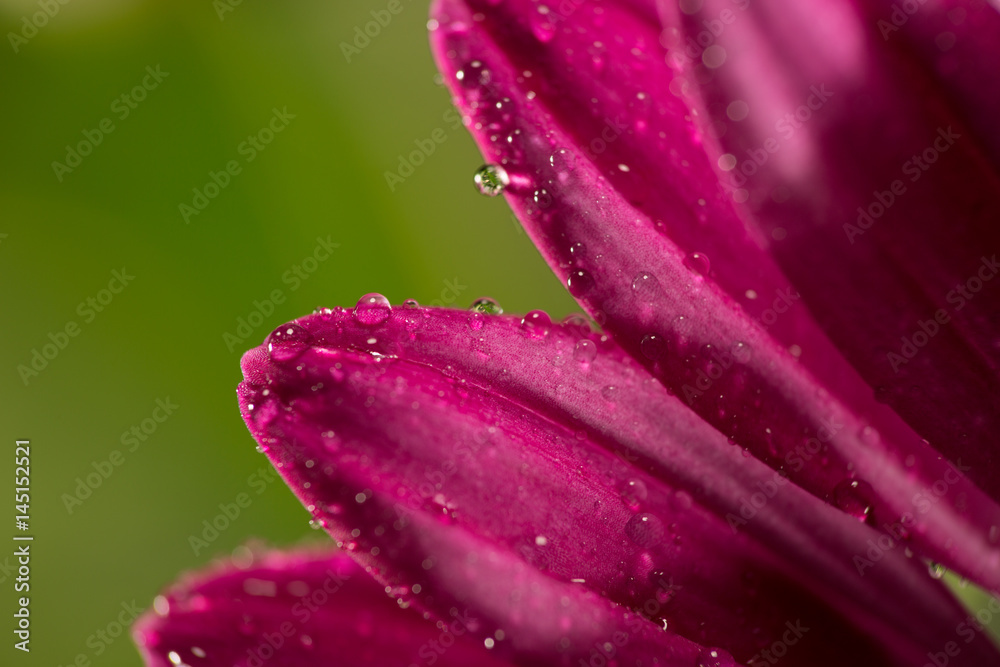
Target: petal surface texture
[
  {"x": 536, "y": 476},
  {"x": 614, "y": 174},
  {"x": 295, "y": 609}
]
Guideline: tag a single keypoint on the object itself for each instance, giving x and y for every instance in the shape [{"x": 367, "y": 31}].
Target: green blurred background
[
  {"x": 322, "y": 176},
  {"x": 223, "y": 69}
]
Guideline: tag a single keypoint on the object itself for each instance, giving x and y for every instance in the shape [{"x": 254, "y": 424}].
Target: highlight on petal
[
  {"x": 617, "y": 215},
  {"x": 307, "y": 607},
  {"x": 521, "y": 468}
]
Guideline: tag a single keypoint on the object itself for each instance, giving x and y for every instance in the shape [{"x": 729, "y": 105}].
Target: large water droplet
[
  {"x": 646, "y": 286},
  {"x": 714, "y": 657},
  {"x": 584, "y": 353},
  {"x": 652, "y": 346},
  {"x": 854, "y": 497},
  {"x": 476, "y": 321},
  {"x": 634, "y": 493},
  {"x": 372, "y": 310},
  {"x": 536, "y": 324},
  {"x": 487, "y": 306},
  {"x": 698, "y": 262},
  {"x": 491, "y": 179},
  {"x": 936, "y": 570},
  {"x": 287, "y": 342},
  {"x": 645, "y": 530},
  {"x": 579, "y": 282}
]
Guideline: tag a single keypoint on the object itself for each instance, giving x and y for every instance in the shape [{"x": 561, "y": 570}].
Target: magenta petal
[
  {"x": 956, "y": 42},
  {"x": 574, "y": 475},
  {"x": 881, "y": 199},
  {"x": 294, "y": 610},
  {"x": 625, "y": 239}
]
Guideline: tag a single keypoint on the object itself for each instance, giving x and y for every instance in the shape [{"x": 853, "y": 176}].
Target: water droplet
[
  {"x": 936, "y": 570},
  {"x": 854, "y": 497},
  {"x": 411, "y": 303},
  {"x": 652, "y": 346},
  {"x": 635, "y": 492},
  {"x": 741, "y": 352},
  {"x": 645, "y": 530},
  {"x": 372, "y": 310},
  {"x": 542, "y": 198},
  {"x": 714, "y": 657},
  {"x": 562, "y": 160},
  {"x": 541, "y": 26},
  {"x": 288, "y": 342},
  {"x": 646, "y": 286},
  {"x": 536, "y": 324},
  {"x": 585, "y": 352},
  {"x": 869, "y": 436},
  {"x": 698, "y": 262},
  {"x": 610, "y": 393},
  {"x": 579, "y": 282},
  {"x": 476, "y": 321},
  {"x": 491, "y": 179},
  {"x": 487, "y": 306},
  {"x": 578, "y": 324}
]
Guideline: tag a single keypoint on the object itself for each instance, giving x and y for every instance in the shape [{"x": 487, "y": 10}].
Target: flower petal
[
  {"x": 555, "y": 453},
  {"x": 955, "y": 41},
  {"x": 628, "y": 239},
  {"x": 292, "y": 610},
  {"x": 883, "y": 199}
]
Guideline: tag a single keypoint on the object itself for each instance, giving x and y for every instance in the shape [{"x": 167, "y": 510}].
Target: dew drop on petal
[
  {"x": 646, "y": 286},
  {"x": 411, "y": 303},
  {"x": 854, "y": 497},
  {"x": 372, "y": 310},
  {"x": 536, "y": 324},
  {"x": 634, "y": 493},
  {"x": 652, "y": 346},
  {"x": 698, "y": 262},
  {"x": 491, "y": 180},
  {"x": 487, "y": 306},
  {"x": 645, "y": 530},
  {"x": 579, "y": 282},
  {"x": 584, "y": 353},
  {"x": 476, "y": 321},
  {"x": 936, "y": 570},
  {"x": 287, "y": 342}
]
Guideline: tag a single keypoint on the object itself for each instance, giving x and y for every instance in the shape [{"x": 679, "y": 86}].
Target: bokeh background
[{"x": 222, "y": 69}]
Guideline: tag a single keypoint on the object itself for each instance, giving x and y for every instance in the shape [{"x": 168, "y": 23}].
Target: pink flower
[{"x": 784, "y": 218}]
